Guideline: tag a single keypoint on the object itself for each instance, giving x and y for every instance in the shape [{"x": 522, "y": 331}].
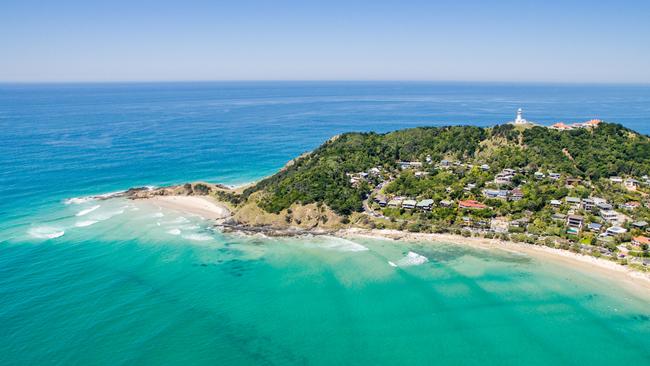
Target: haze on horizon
[{"x": 471, "y": 40}]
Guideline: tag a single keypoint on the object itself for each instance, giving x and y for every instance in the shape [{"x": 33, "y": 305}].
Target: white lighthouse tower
[{"x": 520, "y": 120}]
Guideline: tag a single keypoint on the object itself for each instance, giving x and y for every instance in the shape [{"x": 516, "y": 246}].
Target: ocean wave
[
  {"x": 174, "y": 231},
  {"x": 85, "y": 223},
  {"x": 412, "y": 259},
  {"x": 197, "y": 237},
  {"x": 158, "y": 214},
  {"x": 341, "y": 245},
  {"x": 178, "y": 220},
  {"x": 45, "y": 232},
  {"x": 87, "y": 211},
  {"x": 78, "y": 200}
]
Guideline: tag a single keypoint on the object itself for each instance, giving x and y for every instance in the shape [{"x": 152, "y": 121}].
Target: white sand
[{"x": 202, "y": 206}]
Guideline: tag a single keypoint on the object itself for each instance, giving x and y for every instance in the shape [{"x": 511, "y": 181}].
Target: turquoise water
[{"x": 120, "y": 282}]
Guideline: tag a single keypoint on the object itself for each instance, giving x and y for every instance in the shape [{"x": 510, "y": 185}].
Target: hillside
[{"x": 321, "y": 176}]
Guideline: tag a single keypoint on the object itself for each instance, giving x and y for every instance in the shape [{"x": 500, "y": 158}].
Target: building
[
  {"x": 588, "y": 204},
  {"x": 555, "y": 203},
  {"x": 573, "y": 181},
  {"x": 631, "y": 205},
  {"x": 539, "y": 175},
  {"x": 616, "y": 180},
  {"x": 485, "y": 167},
  {"x": 616, "y": 230},
  {"x": 561, "y": 127},
  {"x": 409, "y": 204},
  {"x": 519, "y": 119},
  {"x": 409, "y": 164},
  {"x": 595, "y": 227},
  {"x": 639, "y": 241},
  {"x": 640, "y": 224},
  {"x": 609, "y": 215},
  {"x": 425, "y": 204},
  {"x": 516, "y": 194},
  {"x": 575, "y": 222},
  {"x": 446, "y": 203},
  {"x": 495, "y": 193},
  {"x": 394, "y": 203},
  {"x": 573, "y": 201},
  {"x": 471, "y": 205},
  {"x": 631, "y": 184},
  {"x": 554, "y": 176}
]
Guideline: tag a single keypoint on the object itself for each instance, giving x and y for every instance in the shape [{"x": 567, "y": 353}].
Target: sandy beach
[
  {"x": 202, "y": 206},
  {"x": 625, "y": 276}
]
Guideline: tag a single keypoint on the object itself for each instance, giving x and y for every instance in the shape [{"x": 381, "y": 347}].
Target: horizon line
[{"x": 441, "y": 81}]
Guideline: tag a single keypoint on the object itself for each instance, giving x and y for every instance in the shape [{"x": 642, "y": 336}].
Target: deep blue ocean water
[{"x": 81, "y": 289}]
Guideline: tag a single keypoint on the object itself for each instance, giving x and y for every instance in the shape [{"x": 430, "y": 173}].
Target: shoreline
[
  {"x": 623, "y": 275},
  {"x": 210, "y": 209}
]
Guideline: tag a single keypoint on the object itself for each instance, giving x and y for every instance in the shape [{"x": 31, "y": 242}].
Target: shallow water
[{"x": 123, "y": 282}]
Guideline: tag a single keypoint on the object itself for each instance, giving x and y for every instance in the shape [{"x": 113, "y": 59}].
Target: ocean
[{"x": 119, "y": 282}]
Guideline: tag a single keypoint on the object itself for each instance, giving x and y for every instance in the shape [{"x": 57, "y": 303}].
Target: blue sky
[{"x": 473, "y": 40}]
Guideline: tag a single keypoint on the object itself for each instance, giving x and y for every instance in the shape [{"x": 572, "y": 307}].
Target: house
[
  {"x": 539, "y": 175},
  {"x": 616, "y": 180},
  {"x": 469, "y": 187},
  {"x": 425, "y": 204},
  {"x": 445, "y": 163},
  {"x": 588, "y": 204},
  {"x": 495, "y": 194},
  {"x": 522, "y": 222},
  {"x": 631, "y": 184},
  {"x": 604, "y": 206},
  {"x": 394, "y": 203},
  {"x": 609, "y": 215},
  {"x": 374, "y": 171},
  {"x": 485, "y": 167},
  {"x": 561, "y": 126},
  {"x": 499, "y": 225},
  {"x": 409, "y": 204},
  {"x": 573, "y": 201},
  {"x": 616, "y": 230},
  {"x": 555, "y": 203},
  {"x": 631, "y": 205},
  {"x": 592, "y": 123},
  {"x": 639, "y": 241},
  {"x": 554, "y": 176},
  {"x": 381, "y": 202},
  {"x": 503, "y": 178},
  {"x": 595, "y": 227},
  {"x": 409, "y": 164},
  {"x": 471, "y": 205},
  {"x": 420, "y": 174},
  {"x": 516, "y": 194},
  {"x": 446, "y": 203},
  {"x": 575, "y": 221},
  {"x": 558, "y": 217},
  {"x": 640, "y": 224}
]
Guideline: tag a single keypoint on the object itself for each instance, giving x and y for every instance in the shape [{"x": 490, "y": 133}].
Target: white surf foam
[
  {"x": 45, "y": 232},
  {"x": 85, "y": 223},
  {"x": 392, "y": 264},
  {"x": 158, "y": 214},
  {"x": 78, "y": 200},
  {"x": 174, "y": 231},
  {"x": 412, "y": 259},
  {"x": 197, "y": 237},
  {"x": 87, "y": 211},
  {"x": 108, "y": 215},
  {"x": 341, "y": 245}
]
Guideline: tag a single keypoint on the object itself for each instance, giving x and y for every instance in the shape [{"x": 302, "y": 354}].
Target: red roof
[
  {"x": 561, "y": 126},
  {"x": 633, "y": 204},
  {"x": 641, "y": 240},
  {"x": 471, "y": 204},
  {"x": 593, "y": 122}
]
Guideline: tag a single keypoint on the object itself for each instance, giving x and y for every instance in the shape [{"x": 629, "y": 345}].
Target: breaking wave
[
  {"x": 87, "y": 211},
  {"x": 412, "y": 259},
  {"x": 45, "y": 232},
  {"x": 85, "y": 223},
  {"x": 197, "y": 237}
]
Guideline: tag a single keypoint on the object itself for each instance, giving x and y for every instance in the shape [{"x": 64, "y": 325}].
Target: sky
[{"x": 569, "y": 41}]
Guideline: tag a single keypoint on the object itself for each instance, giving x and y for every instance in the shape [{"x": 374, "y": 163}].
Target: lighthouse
[{"x": 520, "y": 120}]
